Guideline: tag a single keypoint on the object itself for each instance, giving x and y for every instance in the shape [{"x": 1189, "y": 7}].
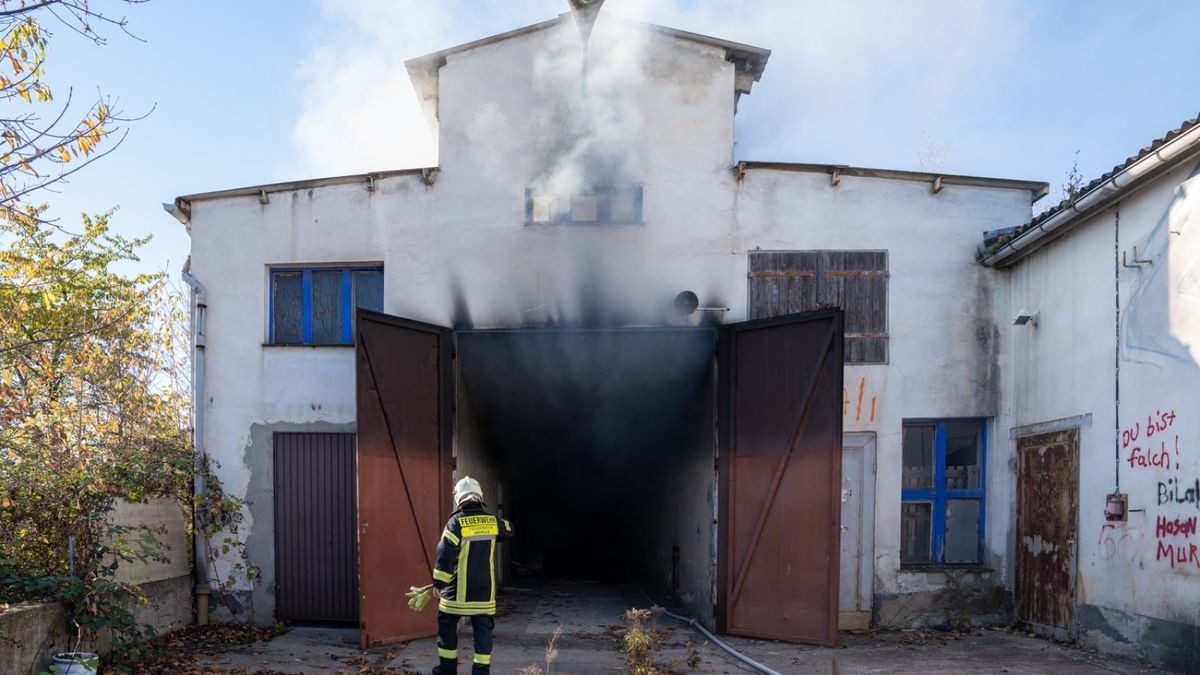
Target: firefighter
[{"x": 465, "y": 577}]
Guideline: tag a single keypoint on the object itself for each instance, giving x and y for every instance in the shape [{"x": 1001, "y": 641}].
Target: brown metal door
[
  {"x": 316, "y": 575},
  {"x": 404, "y": 408},
  {"x": 780, "y": 463},
  {"x": 1047, "y": 498}
]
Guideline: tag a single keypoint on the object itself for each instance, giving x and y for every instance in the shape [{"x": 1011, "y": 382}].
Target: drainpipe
[
  {"x": 1103, "y": 195},
  {"x": 199, "y": 311}
]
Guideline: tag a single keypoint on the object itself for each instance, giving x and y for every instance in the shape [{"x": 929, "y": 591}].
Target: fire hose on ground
[{"x": 713, "y": 638}]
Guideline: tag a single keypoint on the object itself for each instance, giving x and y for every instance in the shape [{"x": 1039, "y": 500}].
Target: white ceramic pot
[{"x": 75, "y": 663}]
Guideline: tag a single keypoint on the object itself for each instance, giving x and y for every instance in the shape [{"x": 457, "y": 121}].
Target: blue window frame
[
  {"x": 943, "y": 509},
  {"x": 316, "y": 305}
]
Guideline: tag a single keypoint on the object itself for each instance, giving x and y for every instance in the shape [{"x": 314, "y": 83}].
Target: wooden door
[
  {"x": 780, "y": 423},
  {"x": 1047, "y": 502},
  {"x": 404, "y": 395}
]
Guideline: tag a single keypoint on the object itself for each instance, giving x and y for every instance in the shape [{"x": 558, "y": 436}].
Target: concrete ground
[{"x": 590, "y": 616}]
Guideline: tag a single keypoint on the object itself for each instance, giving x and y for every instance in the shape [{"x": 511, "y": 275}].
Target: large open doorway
[
  {"x": 600, "y": 444},
  {"x": 704, "y": 463}
]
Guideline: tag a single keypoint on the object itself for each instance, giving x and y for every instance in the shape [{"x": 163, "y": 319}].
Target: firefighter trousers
[{"x": 447, "y": 642}]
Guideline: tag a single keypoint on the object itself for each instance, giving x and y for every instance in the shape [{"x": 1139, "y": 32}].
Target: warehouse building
[{"x": 790, "y": 394}]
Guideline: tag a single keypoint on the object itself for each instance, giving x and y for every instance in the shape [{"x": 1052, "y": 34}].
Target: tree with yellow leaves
[{"x": 38, "y": 151}]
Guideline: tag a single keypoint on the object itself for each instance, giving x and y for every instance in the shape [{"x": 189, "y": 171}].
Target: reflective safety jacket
[{"x": 465, "y": 573}]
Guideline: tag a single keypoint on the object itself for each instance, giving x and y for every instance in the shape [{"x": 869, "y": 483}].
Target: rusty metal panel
[
  {"x": 1047, "y": 503},
  {"x": 786, "y": 282},
  {"x": 780, "y": 463},
  {"x": 404, "y": 409},
  {"x": 316, "y": 557}
]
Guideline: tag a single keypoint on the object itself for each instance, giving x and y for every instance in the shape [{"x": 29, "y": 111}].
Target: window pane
[
  {"x": 918, "y": 457},
  {"x": 545, "y": 210},
  {"x": 287, "y": 306},
  {"x": 327, "y": 307},
  {"x": 622, "y": 207},
  {"x": 963, "y": 442},
  {"x": 962, "y": 531},
  {"x": 584, "y": 209},
  {"x": 915, "y": 532},
  {"x": 368, "y": 290}
]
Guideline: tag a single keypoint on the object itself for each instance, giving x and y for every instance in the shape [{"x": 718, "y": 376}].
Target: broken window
[
  {"x": 602, "y": 206},
  {"x": 942, "y": 507},
  {"x": 316, "y": 306},
  {"x": 787, "y": 282}
]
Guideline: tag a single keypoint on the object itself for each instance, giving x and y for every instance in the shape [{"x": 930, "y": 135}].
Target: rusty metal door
[
  {"x": 316, "y": 575},
  {"x": 404, "y": 394},
  {"x": 780, "y": 465},
  {"x": 1047, "y": 499}
]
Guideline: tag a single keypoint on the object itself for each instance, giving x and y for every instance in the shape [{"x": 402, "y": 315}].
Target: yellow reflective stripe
[
  {"x": 447, "y": 653},
  {"x": 492, "y": 564},
  {"x": 466, "y": 608},
  {"x": 483, "y": 659},
  {"x": 461, "y": 591},
  {"x": 443, "y": 576},
  {"x": 450, "y": 537}
]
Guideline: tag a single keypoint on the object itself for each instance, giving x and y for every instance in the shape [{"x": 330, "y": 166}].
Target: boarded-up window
[{"x": 787, "y": 282}]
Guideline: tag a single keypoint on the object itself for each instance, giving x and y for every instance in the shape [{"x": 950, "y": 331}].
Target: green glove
[{"x": 419, "y": 596}]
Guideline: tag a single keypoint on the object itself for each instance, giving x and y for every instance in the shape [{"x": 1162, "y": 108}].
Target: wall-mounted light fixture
[
  {"x": 687, "y": 303},
  {"x": 1026, "y": 316}
]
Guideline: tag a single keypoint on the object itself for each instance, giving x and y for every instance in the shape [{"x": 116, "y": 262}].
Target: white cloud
[
  {"x": 832, "y": 61},
  {"x": 357, "y": 109}
]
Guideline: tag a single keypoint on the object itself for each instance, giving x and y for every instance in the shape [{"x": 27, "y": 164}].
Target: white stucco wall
[
  {"x": 458, "y": 252},
  {"x": 1132, "y": 576}
]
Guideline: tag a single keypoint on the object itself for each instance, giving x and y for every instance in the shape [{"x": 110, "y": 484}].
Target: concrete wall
[
  {"x": 1138, "y": 581},
  {"x": 458, "y": 252},
  {"x": 165, "y": 520},
  {"x": 31, "y": 633}
]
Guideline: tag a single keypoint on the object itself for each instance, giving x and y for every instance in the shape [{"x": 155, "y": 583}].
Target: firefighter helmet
[{"x": 467, "y": 488}]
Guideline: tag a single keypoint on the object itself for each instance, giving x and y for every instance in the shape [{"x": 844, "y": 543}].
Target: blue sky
[{"x": 256, "y": 92}]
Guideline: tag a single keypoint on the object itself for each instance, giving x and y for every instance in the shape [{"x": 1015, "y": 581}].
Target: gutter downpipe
[
  {"x": 1102, "y": 195},
  {"x": 199, "y": 312}
]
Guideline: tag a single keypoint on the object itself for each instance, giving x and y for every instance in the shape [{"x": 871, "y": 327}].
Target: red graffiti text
[
  {"x": 860, "y": 413},
  {"x": 1179, "y": 554},
  {"x": 1151, "y": 457},
  {"x": 1155, "y": 424},
  {"x": 1179, "y": 527}
]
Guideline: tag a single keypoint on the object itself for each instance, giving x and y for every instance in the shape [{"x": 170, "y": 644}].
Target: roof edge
[
  {"x": 1163, "y": 155},
  {"x": 288, "y": 186},
  {"x": 1037, "y": 189},
  {"x": 438, "y": 58},
  {"x": 734, "y": 48},
  {"x": 749, "y": 60}
]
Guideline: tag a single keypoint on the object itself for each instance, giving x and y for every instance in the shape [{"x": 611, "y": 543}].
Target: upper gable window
[
  {"x": 315, "y": 306},
  {"x": 603, "y": 206}
]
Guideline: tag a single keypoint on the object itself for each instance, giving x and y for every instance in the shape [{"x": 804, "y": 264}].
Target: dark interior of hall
[{"x": 600, "y": 442}]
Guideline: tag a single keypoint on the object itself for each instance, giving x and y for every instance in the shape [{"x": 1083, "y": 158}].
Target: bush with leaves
[{"x": 93, "y": 409}]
